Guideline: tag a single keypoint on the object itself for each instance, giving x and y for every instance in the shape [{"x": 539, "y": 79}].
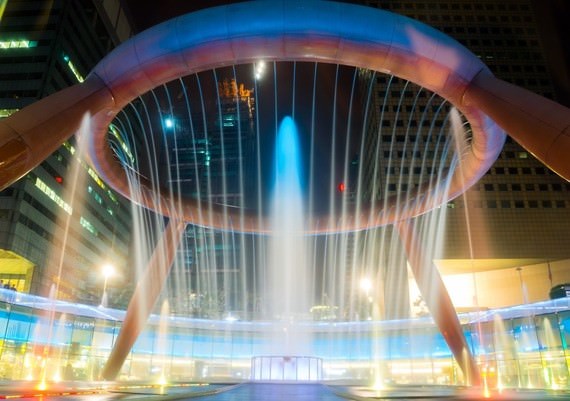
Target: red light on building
[
  {"x": 341, "y": 187},
  {"x": 59, "y": 180}
]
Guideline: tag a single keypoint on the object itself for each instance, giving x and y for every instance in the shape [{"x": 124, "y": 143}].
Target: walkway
[{"x": 276, "y": 392}]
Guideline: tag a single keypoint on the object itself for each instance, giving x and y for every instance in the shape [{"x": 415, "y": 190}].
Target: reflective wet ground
[
  {"x": 271, "y": 392},
  {"x": 277, "y": 392}
]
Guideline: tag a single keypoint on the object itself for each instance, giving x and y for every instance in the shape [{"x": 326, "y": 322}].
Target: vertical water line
[
  {"x": 188, "y": 280},
  {"x": 345, "y": 236},
  {"x": 310, "y": 203},
  {"x": 243, "y": 262},
  {"x": 377, "y": 184},
  {"x": 256, "y": 272},
  {"x": 208, "y": 237},
  {"x": 226, "y": 271},
  {"x": 399, "y": 202},
  {"x": 330, "y": 257},
  {"x": 175, "y": 201},
  {"x": 141, "y": 232}
]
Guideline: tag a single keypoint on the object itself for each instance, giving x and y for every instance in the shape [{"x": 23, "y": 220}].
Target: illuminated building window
[
  {"x": 95, "y": 177},
  {"x": 7, "y": 112},
  {"x": 73, "y": 68},
  {"x": 17, "y": 44},
  {"x": 95, "y": 195},
  {"x": 87, "y": 225},
  {"x": 229, "y": 120},
  {"x": 53, "y": 196},
  {"x": 112, "y": 196},
  {"x": 69, "y": 147}
]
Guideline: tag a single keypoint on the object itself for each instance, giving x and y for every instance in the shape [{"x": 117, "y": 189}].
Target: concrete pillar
[
  {"x": 29, "y": 136},
  {"x": 438, "y": 301},
  {"x": 145, "y": 296},
  {"x": 538, "y": 124}
]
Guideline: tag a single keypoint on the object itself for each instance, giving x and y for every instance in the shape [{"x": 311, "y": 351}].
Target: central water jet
[{"x": 288, "y": 289}]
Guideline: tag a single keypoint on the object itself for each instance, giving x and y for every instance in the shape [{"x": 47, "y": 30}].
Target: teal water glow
[
  {"x": 288, "y": 279},
  {"x": 288, "y": 165}
]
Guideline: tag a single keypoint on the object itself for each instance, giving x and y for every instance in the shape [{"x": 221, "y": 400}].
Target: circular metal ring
[{"x": 300, "y": 30}]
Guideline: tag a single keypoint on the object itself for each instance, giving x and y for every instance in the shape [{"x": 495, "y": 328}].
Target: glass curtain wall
[{"x": 515, "y": 348}]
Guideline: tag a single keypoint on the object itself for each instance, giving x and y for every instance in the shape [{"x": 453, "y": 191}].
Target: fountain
[
  {"x": 372, "y": 184},
  {"x": 161, "y": 346},
  {"x": 304, "y": 256},
  {"x": 288, "y": 289},
  {"x": 281, "y": 273},
  {"x": 507, "y": 376},
  {"x": 287, "y": 292}
]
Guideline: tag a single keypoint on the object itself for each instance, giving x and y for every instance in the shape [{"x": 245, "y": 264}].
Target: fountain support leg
[
  {"x": 145, "y": 296},
  {"x": 539, "y": 125},
  {"x": 438, "y": 301}
]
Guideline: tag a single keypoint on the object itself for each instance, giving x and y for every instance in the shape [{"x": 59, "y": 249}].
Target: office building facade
[
  {"x": 506, "y": 238},
  {"x": 60, "y": 223}
]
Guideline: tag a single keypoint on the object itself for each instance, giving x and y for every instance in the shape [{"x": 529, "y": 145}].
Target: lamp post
[
  {"x": 523, "y": 285},
  {"x": 108, "y": 271}
]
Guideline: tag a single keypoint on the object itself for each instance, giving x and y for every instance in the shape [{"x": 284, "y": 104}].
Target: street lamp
[
  {"x": 168, "y": 123},
  {"x": 366, "y": 287},
  {"x": 259, "y": 69},
  {"x": 108, "y": 271}
]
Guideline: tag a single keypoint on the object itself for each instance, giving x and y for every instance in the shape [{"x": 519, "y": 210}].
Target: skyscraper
[
  {"x": 506, "y": 240},
  {"x": 60, "y": 223},
  {"x": 221, "y": 171}
]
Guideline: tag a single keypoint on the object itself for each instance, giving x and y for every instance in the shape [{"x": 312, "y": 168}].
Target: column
[
  {"x": 145, "y": 296},
  {"x": 438, "y": 301}
]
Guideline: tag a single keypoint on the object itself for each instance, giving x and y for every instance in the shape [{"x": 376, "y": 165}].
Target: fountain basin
[{"x": 286, "y": 369}]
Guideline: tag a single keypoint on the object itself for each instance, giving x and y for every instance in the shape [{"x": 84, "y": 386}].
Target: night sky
[
  {"x": 552, "y": 19},
  {"x": 149, "y": 13}
]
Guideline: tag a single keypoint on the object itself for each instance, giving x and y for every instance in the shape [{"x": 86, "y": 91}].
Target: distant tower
[{"x": 213, "y": 158}]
